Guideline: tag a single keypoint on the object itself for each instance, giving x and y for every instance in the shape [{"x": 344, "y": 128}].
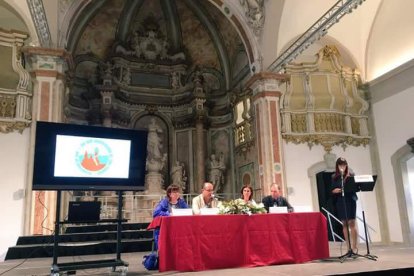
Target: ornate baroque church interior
[{"x": 233, "y": 92}]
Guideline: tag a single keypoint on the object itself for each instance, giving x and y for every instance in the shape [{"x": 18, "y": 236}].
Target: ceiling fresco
[{"x": 153, "y": 49}]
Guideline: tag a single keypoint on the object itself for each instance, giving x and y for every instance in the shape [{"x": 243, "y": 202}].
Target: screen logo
[{"x": 94, "y": 157}]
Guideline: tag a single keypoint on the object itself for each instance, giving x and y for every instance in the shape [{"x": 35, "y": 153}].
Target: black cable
[
  {"x": 28, "y": 257},
  {"x": 37, "y": 249},
  {"x": 47, "y": 212}
]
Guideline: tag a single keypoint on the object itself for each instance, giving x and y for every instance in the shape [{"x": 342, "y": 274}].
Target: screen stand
[{"x": 57, "y": 268}]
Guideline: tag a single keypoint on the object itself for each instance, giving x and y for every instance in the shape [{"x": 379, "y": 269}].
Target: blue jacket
[{"x": 162, "y": 208}]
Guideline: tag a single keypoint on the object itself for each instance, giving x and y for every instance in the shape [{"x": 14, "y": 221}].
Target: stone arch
[
  {"x": 312, "y": 171},
  {"x": 399, "y": 164},
  {"x": 25, "y": 20},
  {"x": 233, "y": 14}
]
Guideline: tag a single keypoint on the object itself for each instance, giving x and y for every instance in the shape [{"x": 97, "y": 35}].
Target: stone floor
[{"x": 389, "y": 257}]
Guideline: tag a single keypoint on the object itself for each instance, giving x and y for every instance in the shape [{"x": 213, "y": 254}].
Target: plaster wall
[
  {"x": 300, "y": 160},
  {"x": 394, "y": 127},
  {"x": 391, "y": 43},
  {"x": 23, "y": 10},
  {"x": 13, "y": 172}
]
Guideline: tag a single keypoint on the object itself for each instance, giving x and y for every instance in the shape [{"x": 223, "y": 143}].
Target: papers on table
[
  {"x": 278, "y": 210},
  {"x": 209, "y": 211},
  {"x": 181, "y": 212},
  {"x": 302, "y": 209}
]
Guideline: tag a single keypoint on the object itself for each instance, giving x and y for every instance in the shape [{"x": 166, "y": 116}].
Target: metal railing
[
  {"x": 136, "y": 207},
  {"x": 330, "y": 216}
]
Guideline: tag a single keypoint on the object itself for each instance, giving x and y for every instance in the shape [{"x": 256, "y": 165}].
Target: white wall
[
  {"x": 13, "y": 166},
  {"x": 391, "y": 42},
  {"x": 299, "y": 159},
  {"x": 394, "y": 126}
]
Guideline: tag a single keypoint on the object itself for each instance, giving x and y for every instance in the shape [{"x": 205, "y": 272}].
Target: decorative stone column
[
  {"x": 200, "y": 153},
  {"x": 266, "y": 88},
  {"x": 200, "y": 116},
  {"x": 47, "y": 68}
]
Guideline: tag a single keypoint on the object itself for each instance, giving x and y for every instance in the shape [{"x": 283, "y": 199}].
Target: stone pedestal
[{"x": 153, "y": 184}]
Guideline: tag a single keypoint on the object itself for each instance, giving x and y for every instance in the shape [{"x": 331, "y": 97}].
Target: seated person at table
[
  {"x": 276, "y": 199},
  {"x": 205, "y": 199},
  {"x": 246, "y": 193},
  {"x": 164, "y": 207}
]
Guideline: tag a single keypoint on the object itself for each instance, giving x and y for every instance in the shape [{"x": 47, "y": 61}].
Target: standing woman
[{"x": 345, "y": 202}]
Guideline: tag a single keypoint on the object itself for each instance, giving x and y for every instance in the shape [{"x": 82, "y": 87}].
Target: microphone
[
  {"x": 341, "y": 170},
  {"x": 213, "y": 196}
]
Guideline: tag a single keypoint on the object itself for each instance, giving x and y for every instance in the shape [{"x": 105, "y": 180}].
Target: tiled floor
[{"x": 389, "y": 257}]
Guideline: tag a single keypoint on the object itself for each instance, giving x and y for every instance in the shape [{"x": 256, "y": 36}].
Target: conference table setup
[{"x": 196, "y": 243}]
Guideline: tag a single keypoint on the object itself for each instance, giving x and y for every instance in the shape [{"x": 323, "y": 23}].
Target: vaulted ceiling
[
  {"x": 154, "y": 48},
  {"x": 376, "y": 37}
]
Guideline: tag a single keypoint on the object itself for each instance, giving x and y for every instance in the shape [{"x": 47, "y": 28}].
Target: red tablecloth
[{"x": 194, "y": 243}]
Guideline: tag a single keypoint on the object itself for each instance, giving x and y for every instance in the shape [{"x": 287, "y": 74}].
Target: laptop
[
  {"x": 84, "y": 211},
  {"x": 181, "y": 212}
]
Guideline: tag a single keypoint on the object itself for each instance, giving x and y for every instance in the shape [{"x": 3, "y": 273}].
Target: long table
[{"x": 195, "y": 243}]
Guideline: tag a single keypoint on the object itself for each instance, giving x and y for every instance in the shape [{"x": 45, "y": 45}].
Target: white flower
[{"x": 239, "y": 206}]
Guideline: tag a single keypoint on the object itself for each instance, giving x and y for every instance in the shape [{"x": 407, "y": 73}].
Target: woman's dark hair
[
  {"x": 251, "y": 191},
  {"x": 341, "y": 161},
  {"x": 172, "y": 188}
]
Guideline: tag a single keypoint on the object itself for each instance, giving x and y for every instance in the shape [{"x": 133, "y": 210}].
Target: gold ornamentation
[
  {"x": 7, "y": 106},
  {"x": 327, "y": 140},
  {"x": 7, "y": 127},
  {"x": 298, "y": 122},
  {"x": 324, "y": 105},
  {"x": 330, "y": 50},
  {"x": 329, "y": 122},
  {"x": 151, "y": 109}
]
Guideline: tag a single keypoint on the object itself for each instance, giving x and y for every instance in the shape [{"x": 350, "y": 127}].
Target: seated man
[
  {"x": 205, "y": 199},
  {"x": 276, "y": 199}
]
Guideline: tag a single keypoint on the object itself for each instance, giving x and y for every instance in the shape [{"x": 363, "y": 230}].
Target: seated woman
[
  {"x": 164, "y": 207},
  {"x": 246, "y": 193}
]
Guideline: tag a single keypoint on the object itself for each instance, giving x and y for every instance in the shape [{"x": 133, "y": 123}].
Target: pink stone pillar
[
  {"x": 266, "y": 88},
  {"x": 47, "y": 68}
]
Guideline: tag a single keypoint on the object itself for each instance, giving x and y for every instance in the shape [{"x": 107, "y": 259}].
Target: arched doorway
[{"x": 403, "y": 167}]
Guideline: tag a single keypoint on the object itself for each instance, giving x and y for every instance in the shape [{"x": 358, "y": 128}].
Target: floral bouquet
[{"x": 239, "y": 206}]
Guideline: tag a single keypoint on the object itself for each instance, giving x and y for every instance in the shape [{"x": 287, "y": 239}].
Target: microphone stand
[
  {"x": 368, "y": 255},
  {"x": 350, "y": 253}
]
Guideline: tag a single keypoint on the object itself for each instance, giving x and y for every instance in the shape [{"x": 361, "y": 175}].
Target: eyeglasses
[{"x": 208, "y": 190}]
